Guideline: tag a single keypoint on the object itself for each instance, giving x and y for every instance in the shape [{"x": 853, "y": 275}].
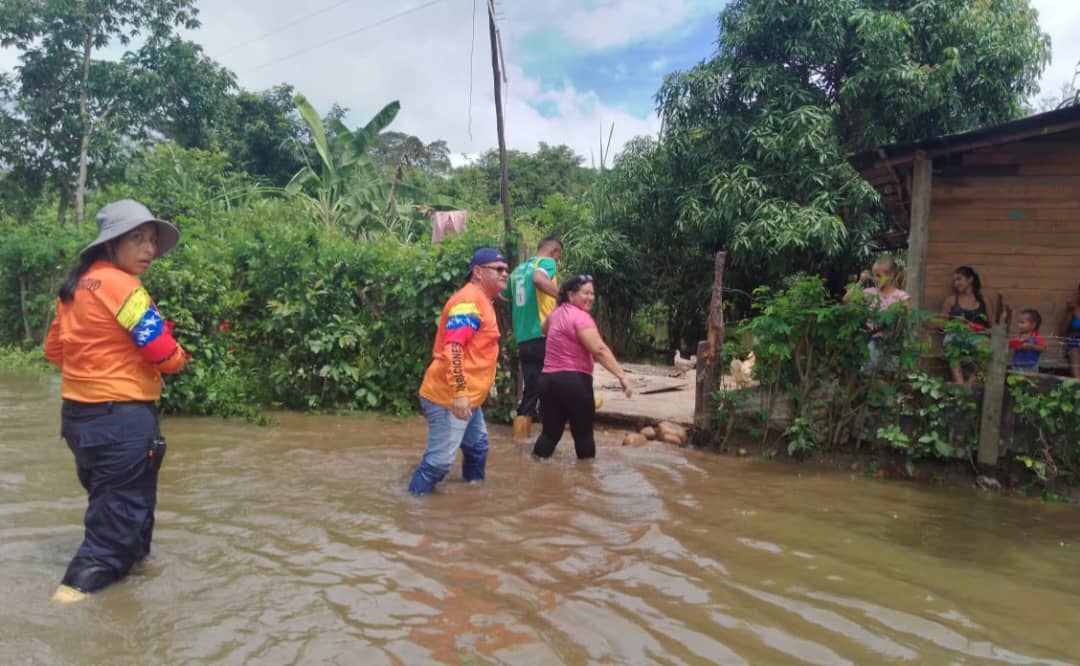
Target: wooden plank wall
[{"x": 1011, "y": 212}]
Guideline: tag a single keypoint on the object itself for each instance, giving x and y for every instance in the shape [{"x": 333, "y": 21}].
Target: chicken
[
  {"x": 683, "y": 365},
  {"x": 743, "y": 372}
]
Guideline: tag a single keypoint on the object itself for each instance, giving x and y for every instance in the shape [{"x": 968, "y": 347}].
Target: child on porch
[
  {"x": 1028, "y": 344},
  {"x": 885, "y": 276}
]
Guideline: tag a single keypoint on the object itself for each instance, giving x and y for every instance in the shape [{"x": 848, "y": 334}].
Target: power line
[
  {"x": 348, "y": 34},
  {"x": 290, "y": 24}
]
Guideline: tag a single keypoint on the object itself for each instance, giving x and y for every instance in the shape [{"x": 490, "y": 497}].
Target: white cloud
[
  {"x": 660, "y": 64},
  {"x": 610, "y": 23},
  {"x": 1061, "y": 20},
  {"x": 423, "y": 60}
]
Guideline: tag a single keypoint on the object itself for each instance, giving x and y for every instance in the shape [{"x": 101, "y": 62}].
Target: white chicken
[
  {"x": 743, "y": 371},
  {"x": 683, "y": 365}
]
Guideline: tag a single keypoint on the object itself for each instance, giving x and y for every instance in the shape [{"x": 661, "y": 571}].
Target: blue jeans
[{"x": 446, "y": 434}]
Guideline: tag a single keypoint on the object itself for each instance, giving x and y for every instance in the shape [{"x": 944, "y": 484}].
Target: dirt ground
[{"x": 659, "y": 395}]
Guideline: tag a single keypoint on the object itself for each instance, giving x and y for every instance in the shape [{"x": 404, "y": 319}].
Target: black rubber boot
[{"x": 89, "y": 577}]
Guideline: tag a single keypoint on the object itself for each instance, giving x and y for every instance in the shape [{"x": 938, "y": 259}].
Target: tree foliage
[
  {"x": 264, "y": 135},
  {"x": 761, "y": 133},
  {"x": 73, "y": 112},
  {"x": 393, "y": 149},
  {"x": 533, "y": 176}
]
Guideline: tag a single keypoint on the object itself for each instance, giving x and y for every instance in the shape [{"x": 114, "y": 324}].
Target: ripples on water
[{"x": 298, "y": 544}]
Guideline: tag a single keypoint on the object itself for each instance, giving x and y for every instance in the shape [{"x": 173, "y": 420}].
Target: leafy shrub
[
  {"x": 816, "y": 352},
  {"x": 16, "y": 359},
  {"x": 928, "y": 419},
  {"x": 850, "y": 373},
  {"x": 1055, "y": 417}
]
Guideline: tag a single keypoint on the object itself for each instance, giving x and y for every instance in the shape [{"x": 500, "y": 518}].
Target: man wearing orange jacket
[{"x": 461, "y": 374}]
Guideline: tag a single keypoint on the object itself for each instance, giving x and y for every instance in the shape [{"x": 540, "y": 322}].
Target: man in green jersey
[{"x": 532, "y": 291}]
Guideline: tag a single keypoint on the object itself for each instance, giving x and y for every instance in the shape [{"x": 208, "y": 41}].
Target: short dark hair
[
  {"x": 1035, "y": 316},
  {"x": 548, "y": 241}
]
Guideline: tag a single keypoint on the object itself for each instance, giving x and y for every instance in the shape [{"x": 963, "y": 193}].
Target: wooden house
[{"x": 1004, "y": 200}]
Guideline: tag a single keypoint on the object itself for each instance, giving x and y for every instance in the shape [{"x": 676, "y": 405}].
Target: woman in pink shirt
[{"x": 566, "y": 386}]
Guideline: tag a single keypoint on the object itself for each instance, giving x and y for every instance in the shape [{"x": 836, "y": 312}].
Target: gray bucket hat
[{"x": 116, "y": 219}]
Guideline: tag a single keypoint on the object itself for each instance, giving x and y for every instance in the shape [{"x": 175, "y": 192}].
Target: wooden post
[
  {"x": 701, "y": 402},
  {"x": 708, "y": 353},
  {"x": 919, "y": 232},
  {"x": 994, "y": 389}
]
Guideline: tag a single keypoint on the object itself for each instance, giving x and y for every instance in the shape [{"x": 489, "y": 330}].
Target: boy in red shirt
[{"x": 1028, "y": 344}]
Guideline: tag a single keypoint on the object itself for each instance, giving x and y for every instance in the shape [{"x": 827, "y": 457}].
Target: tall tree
[
  {"x": 264, "y": 135},
  {"x": 533, "y": 176},
  {"x": 177, "y": 92},
  {"x": 393, "y": 149},
  {"x": 68, "y": 100},
  {"x": 760, "y": 134}
]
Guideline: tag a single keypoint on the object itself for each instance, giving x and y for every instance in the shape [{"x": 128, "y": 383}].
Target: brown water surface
[{"x": 297, "y": 543}]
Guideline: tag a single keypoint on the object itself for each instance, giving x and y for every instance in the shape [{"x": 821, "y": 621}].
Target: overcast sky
[{"x": 574, "y": 66}]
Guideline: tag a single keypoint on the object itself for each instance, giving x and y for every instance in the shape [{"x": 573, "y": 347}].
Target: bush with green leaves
[
  {"x": 275, "y": 308},
  {"x": 967, "y": 348},
  {"x": 927, "y": 418},
  {"x": 34, "y": 260},
  {"x": 816, "y": 352},
  {"x": 1055, "y": 417}
]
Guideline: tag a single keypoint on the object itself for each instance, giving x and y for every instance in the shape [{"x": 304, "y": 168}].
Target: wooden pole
[
  {"x": 503, "y": 173},
  {"x": 994, "y": 388},
  {"x": 708, "y": 353},
  {"x": 919, "y": 232}
]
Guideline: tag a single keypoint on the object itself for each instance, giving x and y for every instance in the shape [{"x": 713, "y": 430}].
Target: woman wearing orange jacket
[{"x": 112, "y": 346}]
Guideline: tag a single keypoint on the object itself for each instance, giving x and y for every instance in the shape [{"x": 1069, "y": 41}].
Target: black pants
[
  {"x": 118, "y": 452},
  {"x": 566, "y": 396},
  {"x": 531, "y": 357}
]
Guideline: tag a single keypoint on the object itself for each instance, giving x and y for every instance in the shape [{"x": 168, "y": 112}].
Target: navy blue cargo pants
[{"x": 118, "y": 452}]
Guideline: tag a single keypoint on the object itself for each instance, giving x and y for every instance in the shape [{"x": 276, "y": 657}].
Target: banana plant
[{"x": 346, "y": 186}]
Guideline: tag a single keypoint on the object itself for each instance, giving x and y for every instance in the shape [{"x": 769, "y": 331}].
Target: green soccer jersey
[{"x": 529, "y": 307}]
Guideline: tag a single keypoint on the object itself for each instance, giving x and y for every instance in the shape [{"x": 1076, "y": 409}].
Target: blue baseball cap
[{"x": 485, "y": 255}]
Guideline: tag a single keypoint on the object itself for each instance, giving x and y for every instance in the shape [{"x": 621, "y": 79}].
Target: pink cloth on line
[
  {"x": 445, "y": 223},
  {"x": 564, "y": 352}
]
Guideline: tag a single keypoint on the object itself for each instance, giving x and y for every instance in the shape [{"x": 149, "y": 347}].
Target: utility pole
[
  {"x": 505, "y": 178},
  {"x": 509, "y": 245}
]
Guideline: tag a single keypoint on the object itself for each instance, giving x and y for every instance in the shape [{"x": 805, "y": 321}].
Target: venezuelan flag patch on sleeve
[{"x": 134, "y": 308}]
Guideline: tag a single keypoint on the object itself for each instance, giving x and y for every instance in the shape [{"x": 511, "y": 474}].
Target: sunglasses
[
  {"x": 501, "y": 270},
  {"x": 585, "y": 277}
]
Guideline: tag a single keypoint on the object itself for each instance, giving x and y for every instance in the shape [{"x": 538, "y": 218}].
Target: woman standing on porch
[
  {"x": 1070, "y": 330},
  {"x": 965, "y": 304}
]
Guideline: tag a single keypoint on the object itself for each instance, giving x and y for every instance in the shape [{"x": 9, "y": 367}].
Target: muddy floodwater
[{"x": 297, "y": 544}]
